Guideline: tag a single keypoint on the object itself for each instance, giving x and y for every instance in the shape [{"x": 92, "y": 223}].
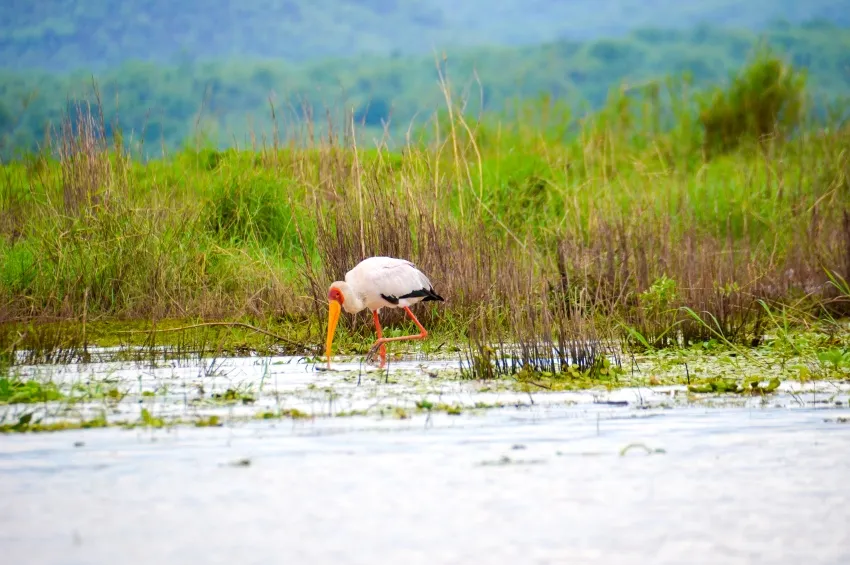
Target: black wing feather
[{"x": 425, "y": 293}]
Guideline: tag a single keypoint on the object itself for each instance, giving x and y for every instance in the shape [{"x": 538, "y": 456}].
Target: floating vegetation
[
  {"x": 244, "y": 462},
  {"x": 27, "y": 423},
  {"x": 212, "y": 421},
  {"x": 641, "y": 447},
  {"x": 720, "y": 385},
  {"x": 504, "y": 460},
  {"x": 839, "y": 420},
  {"x": 231, "y": 395},
  {"x": 19, "y": 391}
]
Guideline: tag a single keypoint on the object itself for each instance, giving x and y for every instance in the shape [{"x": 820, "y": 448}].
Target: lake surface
[{"x": 544, "y": 478}]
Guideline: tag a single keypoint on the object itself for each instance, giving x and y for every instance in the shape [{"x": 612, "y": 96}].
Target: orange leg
[
  {"x": 423, "y": 333},
  {"x": 380, "y": 335}
]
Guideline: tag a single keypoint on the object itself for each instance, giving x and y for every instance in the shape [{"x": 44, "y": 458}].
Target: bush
[
  {"x": 764, "y": 99},
  {"x": 246, "y": 209}
]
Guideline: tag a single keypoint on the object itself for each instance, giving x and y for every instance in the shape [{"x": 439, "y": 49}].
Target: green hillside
[
  {"x": 94, "y": 34},
  {"x": 233, "y": 98}
]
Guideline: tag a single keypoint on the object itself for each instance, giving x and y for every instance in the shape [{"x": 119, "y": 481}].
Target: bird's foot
[{"x": 370, "y": 355}]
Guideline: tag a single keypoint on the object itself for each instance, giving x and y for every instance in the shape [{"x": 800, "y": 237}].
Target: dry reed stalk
[{"x": 82, "y": 150}]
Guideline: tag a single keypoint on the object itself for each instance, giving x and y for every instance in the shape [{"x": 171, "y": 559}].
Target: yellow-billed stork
[{"x": 375, "y": 283}]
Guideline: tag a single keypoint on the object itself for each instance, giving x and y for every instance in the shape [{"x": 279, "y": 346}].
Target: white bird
[{"x": 375, "y": 283}]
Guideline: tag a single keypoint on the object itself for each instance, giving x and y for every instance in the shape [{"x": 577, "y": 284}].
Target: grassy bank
[{"x": 668, "y": 217}]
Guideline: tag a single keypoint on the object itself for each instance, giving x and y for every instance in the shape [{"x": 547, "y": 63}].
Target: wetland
[
  {"x": 113, "y": 455},
  {"x": 643, "y": 354}
]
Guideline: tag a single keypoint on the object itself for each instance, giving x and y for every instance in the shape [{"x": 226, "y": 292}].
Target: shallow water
[{"x": 541, "y": 480}]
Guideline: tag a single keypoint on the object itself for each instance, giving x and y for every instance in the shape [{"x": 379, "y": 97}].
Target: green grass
[{"x": 635, "y": 225}]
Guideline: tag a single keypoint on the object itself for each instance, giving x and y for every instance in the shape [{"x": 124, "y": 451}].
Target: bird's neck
[{"x": 352, "y": 303}]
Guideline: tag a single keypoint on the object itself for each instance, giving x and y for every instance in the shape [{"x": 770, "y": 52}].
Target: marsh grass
[{"x": 552, "y": 238}]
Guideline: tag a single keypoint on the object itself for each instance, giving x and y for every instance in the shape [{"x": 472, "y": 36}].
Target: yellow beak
[{"x": 333, "y": 317}]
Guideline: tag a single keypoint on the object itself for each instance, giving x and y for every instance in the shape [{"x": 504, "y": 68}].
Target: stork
[{"x": 375, "y": 283}]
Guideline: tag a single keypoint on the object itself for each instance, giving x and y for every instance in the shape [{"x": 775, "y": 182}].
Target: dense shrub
[{"x": 764, "y": 99}]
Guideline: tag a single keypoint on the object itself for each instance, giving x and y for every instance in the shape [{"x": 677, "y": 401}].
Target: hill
[
  {"x": 234, "y": 97},
  {"x": 61, "y": 35}
]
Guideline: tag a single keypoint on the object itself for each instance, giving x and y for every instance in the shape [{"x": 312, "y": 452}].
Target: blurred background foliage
[
  {"x": 173, "y": 74},
  {"x": 62, "y": 35}
]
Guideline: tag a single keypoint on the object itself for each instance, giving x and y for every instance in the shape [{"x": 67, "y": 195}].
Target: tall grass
[{"x": 662, "y": 219}]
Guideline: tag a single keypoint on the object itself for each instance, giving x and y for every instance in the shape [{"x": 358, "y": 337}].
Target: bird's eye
[{"x": 335, "y": 294}]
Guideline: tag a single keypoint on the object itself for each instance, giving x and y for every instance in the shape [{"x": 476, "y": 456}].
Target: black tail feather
[{"x": 433, "y": 296}]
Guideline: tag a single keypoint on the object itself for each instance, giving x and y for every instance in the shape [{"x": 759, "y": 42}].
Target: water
[{"x": 543, "y": 479}]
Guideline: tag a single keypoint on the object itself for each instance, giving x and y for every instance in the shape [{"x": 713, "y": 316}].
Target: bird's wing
[{"x": 388, "y": 276}]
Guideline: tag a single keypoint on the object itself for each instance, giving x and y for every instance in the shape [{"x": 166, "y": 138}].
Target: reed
[{"x": 638, "y": 224}]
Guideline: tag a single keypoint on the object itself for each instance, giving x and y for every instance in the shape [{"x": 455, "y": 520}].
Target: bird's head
[{"x": 336, "y": 299}]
